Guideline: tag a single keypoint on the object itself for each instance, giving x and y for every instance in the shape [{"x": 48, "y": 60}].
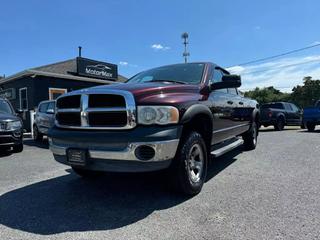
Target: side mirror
[
  {"x": 228, "y": 81},
  {"x": 19, "y": 111},
  {"x": 50, "y": 111}
]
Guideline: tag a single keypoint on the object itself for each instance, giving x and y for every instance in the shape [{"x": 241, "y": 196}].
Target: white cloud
[
  {"x": 158, "y": 46},
  {"x": 283, "y": 73},
  {"x": 126, "y": 64}
]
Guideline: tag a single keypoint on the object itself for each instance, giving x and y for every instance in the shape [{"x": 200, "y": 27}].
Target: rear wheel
[
  {"x": 311, "y": 127},
  {"x": 189, "y": 168},
  {"x": 38, "y": 136},
  {"x": 85, "y": 172},
  {"x": 18, "y": 148},
  {"x": 250, "y": 138},
  {"x": 279, "y": 126}
]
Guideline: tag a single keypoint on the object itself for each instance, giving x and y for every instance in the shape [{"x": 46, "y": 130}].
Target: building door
[
  {"x": 23, "y": 99},
  {"x": 54, "y": 93}
]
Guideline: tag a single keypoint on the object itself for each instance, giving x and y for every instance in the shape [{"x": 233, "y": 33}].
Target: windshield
[
  {"x": 5, "y": 107},
  {"x": 190, "y": 73}
]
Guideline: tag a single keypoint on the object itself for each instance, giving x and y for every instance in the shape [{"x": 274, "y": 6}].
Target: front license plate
[{"x": 77, "y": 156}]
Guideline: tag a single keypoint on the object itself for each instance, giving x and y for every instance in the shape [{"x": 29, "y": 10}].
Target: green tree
[
  {"x": 268, "y": 94},
  {"x": 307, "y": 94}
]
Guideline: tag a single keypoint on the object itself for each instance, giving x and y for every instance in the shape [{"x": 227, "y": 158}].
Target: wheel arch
[{"x": 198, "y": 118}]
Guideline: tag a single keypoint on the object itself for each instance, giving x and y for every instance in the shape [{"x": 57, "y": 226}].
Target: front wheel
[
  {"x": 279, "y": 126},
  {"x": 311, "y": 127},
  {"x": 37, "y": 136},
  {"x": 18, "y": 148},
  {"x": 189, "y": 168},
  {"x": 250, "y": 138}
]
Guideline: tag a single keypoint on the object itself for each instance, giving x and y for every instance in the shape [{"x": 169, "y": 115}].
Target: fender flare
[{"x": 194, "y": 110}]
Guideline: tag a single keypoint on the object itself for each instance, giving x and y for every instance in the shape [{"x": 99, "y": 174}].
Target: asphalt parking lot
[{"x": 270, "y": 193}]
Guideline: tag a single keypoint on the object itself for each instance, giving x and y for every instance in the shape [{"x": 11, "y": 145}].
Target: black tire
[
  {"x": 85, "y": 173},
  {"x": 189, "y": 169},
  {"x": 311, "y": 127},
  {"x": 250, "y": 137},
  {"x": 18, "y": 148},
  {"x": 279, "y": 126},
  {"x": 37, "y": 136}
]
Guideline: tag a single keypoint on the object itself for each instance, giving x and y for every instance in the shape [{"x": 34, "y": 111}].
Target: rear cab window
[{"x": 273, "y": 105}]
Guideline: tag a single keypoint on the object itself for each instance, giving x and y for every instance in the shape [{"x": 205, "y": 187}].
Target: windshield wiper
[{"x": 164, "y": 80}]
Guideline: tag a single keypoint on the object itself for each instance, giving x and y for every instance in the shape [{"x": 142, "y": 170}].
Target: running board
[{"x": 220, "y": 151}]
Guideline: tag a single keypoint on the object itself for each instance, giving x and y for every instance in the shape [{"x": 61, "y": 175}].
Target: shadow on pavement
[
  {"x": 5, "y": 152},
  {"x": 41, "y": 144},
  {"x": 70, "y": 203}
]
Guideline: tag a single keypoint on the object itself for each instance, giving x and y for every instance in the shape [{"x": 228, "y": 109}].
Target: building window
[
  {"x": 54, "y": 93},
  {"x": 23, "y": 98}
]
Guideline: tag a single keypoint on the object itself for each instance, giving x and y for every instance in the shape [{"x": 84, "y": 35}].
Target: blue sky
[{"x": 34, "y": 33}]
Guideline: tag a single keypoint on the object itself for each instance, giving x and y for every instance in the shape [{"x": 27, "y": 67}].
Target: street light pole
[{"x": 185, "y": 54}]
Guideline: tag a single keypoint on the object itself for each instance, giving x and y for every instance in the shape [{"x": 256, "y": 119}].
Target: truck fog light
[
  {"x": 144, "y": 152},
  {"x": 17, "y": 134}
]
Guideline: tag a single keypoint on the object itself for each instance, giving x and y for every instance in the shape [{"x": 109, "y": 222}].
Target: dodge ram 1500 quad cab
[{"x": 173, "y": 117}]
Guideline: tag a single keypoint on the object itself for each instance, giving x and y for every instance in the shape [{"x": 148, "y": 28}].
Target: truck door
[
  {"x": 290, "y": 114},
  {"x": 297, "y": 114},
  {"x": 221, "y": 107}
]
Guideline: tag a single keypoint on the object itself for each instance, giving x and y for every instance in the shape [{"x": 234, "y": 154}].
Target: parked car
[
  {"x": 311, "y": 116},
  {"x": 280, "y": 114},
  {"x": 11, "y": 128},
  {"x": 171, "y": 117},
  {"x": 44, "y": 119}
]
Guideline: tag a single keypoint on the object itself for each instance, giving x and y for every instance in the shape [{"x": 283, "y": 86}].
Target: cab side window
[
  {"x": 51, "y": 107},
  {"x": 217, "y": 77},
  {"x": 43, "y": 107},
  {"x": 232, "y": 91}
]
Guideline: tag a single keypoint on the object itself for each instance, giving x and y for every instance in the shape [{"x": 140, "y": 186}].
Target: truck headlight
[
  {"x": 157, "y": 115},
  {"x": 13, "y": 125}
]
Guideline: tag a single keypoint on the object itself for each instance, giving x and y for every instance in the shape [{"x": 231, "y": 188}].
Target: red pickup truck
[{"x": 173, "y": 117}]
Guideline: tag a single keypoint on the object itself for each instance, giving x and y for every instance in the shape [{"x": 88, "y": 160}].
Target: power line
[
  {"x": 278, "y": 55},
  {"x": 280, "y": 67}
]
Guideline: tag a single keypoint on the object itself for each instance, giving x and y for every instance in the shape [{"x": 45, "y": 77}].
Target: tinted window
[
  {"x": 50, "y": 106},
  {"x": 273, "y": 105},
  {"x": 5, "y": 107},
  {"x": 43, "y": 107},
  {"x": 288, "y": 106},
  {"x": 190, "y": 73},
  {"x": 294, "y": 108},
  {"x": 217, "y": 77}
]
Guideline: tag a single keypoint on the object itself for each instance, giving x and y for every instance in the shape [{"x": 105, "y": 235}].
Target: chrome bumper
[{"x": 164, "y": 150}]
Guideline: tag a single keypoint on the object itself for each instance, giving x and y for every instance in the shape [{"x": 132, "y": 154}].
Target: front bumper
[
  {"x": 10, "y": 138},
  {"x": 115, "y": 151}
]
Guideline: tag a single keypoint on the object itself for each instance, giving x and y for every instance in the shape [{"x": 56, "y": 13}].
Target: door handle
[
  {"x": 241, "y": 103},
  {"x": 230, "y": 102}
]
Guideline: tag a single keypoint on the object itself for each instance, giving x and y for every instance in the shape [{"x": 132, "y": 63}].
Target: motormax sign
[{"x": 90, "y": 68}]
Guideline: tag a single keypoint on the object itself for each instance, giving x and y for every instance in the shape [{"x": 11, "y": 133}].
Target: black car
[
  {"x": 280, "y": 114},
  {"x": 11, "y": 128}
]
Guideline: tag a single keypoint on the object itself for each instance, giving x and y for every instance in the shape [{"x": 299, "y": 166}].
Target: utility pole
[
  {"x": 80, "y": 48},
  {"x": 185, "y": 54}
]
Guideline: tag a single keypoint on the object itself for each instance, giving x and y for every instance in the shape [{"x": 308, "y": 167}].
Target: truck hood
[{"x": 157, "y": 93}]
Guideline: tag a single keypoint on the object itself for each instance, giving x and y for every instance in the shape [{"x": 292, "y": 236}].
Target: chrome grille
[{"x": 111, "y": 109}]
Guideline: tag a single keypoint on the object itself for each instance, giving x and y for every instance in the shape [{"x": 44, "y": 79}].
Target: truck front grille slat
[
  {"x": 114, "y": 119},
  {"x": 114, "y": 110}
]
